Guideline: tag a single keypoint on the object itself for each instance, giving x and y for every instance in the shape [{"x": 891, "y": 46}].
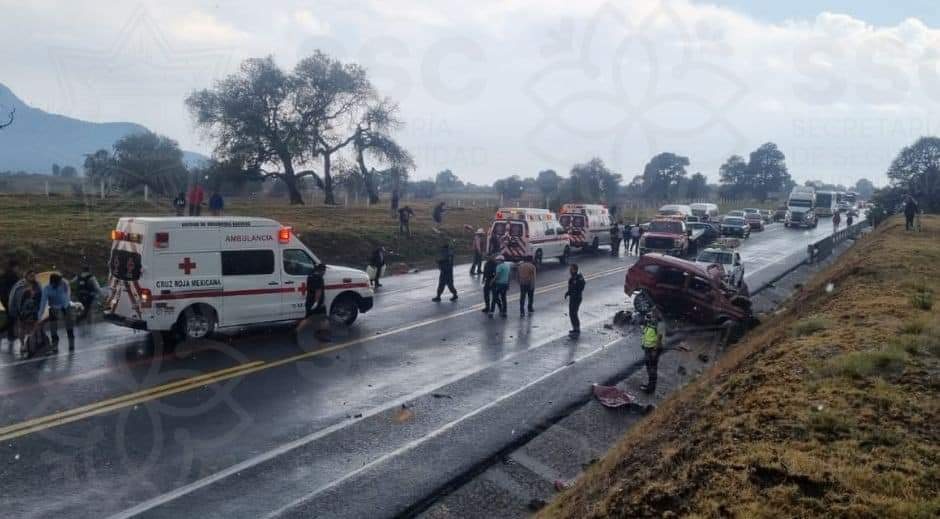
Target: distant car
[
  {"x": 739, "y": 214},
  {"x": 780, "y": 214},
  {"x": 730, "y": 261},
  {"x": 844, "y": 207},
  {"x": 735, "y": 226},
  {"x": 711, "y": 231},
  {"x": 681, "y": 288},
  {"x": 755, "y": 221},
  {"x": 768, "y": 215}
]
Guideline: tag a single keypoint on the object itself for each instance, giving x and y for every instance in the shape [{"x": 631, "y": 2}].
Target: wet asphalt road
[{"x": 252, "y": 424}]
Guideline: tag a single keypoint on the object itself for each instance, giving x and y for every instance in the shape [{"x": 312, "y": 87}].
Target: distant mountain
[{"x": 38, "y": 139}]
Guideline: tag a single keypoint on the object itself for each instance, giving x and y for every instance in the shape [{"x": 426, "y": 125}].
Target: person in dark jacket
[
  {"x": 445, "y": 263},
  {"x": 615, "y": 239},
  {"x": 573, "y": 295},
  {"x": 216, "y": 204},
  {"x": 404, "y": 220},
  {"x": 315, "y": 306},
  {"x": 438, "y": 214},
  {"x": 9, "y": 278},
  {"x": 88, "y": 291},
  {"x": 377, "y": 261},
  {"x": 910, "y": 211},
  {"x": 489, "y": 278}
]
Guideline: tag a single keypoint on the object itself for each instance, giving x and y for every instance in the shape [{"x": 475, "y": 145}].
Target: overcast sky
[{"x": 494, "y": 88}]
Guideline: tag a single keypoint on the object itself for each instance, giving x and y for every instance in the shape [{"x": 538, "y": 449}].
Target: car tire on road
[
  {"x": 596, "y": 245},
  {"x": 538, "y": 258},
  {"x": 563, "y": 259}
]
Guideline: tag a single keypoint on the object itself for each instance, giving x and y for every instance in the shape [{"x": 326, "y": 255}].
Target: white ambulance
[
  {"x": 190, "y": 276},
  {"x": 518, "y": 232},
  {"x": 588, "y": 225}
]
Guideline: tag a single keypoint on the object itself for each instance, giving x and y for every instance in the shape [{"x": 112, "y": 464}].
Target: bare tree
[{"x": 373, "y": 139}]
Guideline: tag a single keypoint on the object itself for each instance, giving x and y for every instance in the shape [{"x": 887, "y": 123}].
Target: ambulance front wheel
[
  {"x": 197, "y": 322},
  {"x": 563, "y": 259},
  {"x": 538, "y": 258},
  {"x": 345, "y": 309}
]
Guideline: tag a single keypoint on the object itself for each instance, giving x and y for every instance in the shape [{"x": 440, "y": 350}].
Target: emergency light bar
[
  {"x": 283, "y": 235},
  {"x": 117, "y": 235}
]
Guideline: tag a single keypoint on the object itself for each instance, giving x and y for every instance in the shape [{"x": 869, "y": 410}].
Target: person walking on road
[
  {"x": 216, "y": 204},
  {"x": 836, "y": 220},
  {"x": 573, "y": 295},
  {"x": 489, "y": 281},
  {"x": 24, "y": 306},
  {"x": 527, "y": 273},
  {"x": 501, "y": 286},
  {"x": 56, "y": 295},
  {"x": 195, "y": 198},
  {"x": 615, "y": 239},
  {"x": 9, "y": 279},
  {"x": 438, "y": 213},
  {"x": 849, "y": 219},
  {"x": 911, "y": 210},
  {"x": 653, "y": 334},
  {"x": 377, "y": 263},
  {"x": 479, "y": 250},
  {"x": 315, "y": 306},
  {"x": 404, "y": 220},
  {"x": 88, "y": 291},
  {"x": 635, "y": 232},
  {"x": 179, "y": 204},
  {"x": 445, "y": 263}
]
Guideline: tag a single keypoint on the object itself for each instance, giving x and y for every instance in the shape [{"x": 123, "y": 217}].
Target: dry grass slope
[{"x": 832, "y": 410}]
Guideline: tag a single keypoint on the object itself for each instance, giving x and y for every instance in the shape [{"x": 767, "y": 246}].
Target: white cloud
[
  {"x": 197, "y": 26},
  {"x": 310, "y": 23}
]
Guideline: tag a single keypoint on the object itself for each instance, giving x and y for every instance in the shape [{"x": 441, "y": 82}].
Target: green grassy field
[{"x": 61, "y": 233}]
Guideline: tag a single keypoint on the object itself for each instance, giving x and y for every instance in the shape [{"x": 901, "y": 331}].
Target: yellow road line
[{"x": 72, "y": 415}]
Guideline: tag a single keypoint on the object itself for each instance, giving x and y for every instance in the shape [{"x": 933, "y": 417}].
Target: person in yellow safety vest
[{"x": 653, "y": 332}]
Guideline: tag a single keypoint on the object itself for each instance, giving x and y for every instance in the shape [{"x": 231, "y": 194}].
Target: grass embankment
[
  {"x": 62, "y": 232},
  {"x": 830, "y": 409}
]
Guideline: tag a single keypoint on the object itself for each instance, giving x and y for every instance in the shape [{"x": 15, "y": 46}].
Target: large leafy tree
[
  {"x": 548, "y": 181},
  {"x": 98, "y": 166},
  {"x": 510, "y": 188},
  {"x": 149, "y": 159},
  {"x": 698, "y": 186},
  {"x": 733, "y": 176},
  {"x": 373, "y": 141},
  {"x": 446, "y": 180},
  {"x": 916, "y": 170},
  {"x": 257, "y": 117},
  {"x": 767, "y": 171},
  {"x": 865, "y": 188},
  {"x": 663, "y": 173},
  {"x": 592, "y": 181}
]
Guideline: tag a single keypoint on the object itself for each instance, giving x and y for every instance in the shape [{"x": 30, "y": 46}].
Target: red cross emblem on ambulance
[
  {"x": 302, "y": 289},
  {"x": 187, "y": 266}
]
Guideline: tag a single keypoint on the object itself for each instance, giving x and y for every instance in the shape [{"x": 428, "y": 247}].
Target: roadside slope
[{"x": 829, "y": 409}]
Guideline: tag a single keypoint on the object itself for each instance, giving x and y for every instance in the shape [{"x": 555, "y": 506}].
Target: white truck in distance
[
  {"x": 189, "y": 276},
  {"x": 801, "y": 208}
]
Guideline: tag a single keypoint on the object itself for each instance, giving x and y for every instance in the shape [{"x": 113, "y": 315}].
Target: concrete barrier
[{"x": 823, "y": 248}]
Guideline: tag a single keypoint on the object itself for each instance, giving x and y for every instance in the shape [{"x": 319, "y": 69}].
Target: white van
[
  {"x": 190, "y": 276},
  {"x": 678, "y": 211},
  {"x": 705, "y": 212},
  {"x": 588, "y": 225},
  {"x": 518, "y": 232}
]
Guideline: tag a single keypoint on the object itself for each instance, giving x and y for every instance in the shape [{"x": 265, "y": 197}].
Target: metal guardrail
[{"x": 823, "y": 248}]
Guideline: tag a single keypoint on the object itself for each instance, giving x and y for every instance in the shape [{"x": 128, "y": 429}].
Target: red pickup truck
[{"x": 684, "y": 289}]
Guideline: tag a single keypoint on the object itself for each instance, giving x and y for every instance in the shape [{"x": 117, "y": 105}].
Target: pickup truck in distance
[{"x": 670, "y": 236}]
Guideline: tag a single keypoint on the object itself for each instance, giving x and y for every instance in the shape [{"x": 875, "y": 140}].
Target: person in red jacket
[{"x": 196, "y": 196}]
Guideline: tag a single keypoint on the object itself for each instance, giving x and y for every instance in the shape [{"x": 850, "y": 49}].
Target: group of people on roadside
[
  {"x": 26, "y": 302},
  {"x": 628, "y": 234},
  {"x": 406, "y": 213},
  {"x": 194, "y": 199}
]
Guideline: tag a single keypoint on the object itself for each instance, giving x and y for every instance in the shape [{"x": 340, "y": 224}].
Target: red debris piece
[{"x": 612, "y": 396}]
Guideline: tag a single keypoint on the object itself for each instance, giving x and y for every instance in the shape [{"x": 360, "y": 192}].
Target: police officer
[
  {"x": 653, "y": 332},
  {"x": 88, "y": 291},
  {"x": 315, "y": 305},
  {"x": 573, "y": 295},
  {"x": 489, "y": 279}
]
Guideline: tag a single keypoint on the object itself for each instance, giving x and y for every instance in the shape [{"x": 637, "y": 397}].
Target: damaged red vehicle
[{"x": 683, "y": 289}]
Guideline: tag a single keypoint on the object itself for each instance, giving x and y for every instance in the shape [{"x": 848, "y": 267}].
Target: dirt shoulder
[
  {"x": 830, "y": 409},
  {"x": 61, "y": 233}
]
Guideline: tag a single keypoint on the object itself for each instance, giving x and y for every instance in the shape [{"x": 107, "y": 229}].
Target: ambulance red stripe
[{"x": 247, "y": 292}]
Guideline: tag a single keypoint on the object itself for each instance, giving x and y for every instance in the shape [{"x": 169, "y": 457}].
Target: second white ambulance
[
  {"x": 189, "y": 276},
  {"x": 518, "y": 232},
  {"x": 588, "y": 225}
]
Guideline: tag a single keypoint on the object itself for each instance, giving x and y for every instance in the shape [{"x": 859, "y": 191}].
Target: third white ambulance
[
  {"x": 190, "y": 276},
  {"x": 518, "y": 232}
]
